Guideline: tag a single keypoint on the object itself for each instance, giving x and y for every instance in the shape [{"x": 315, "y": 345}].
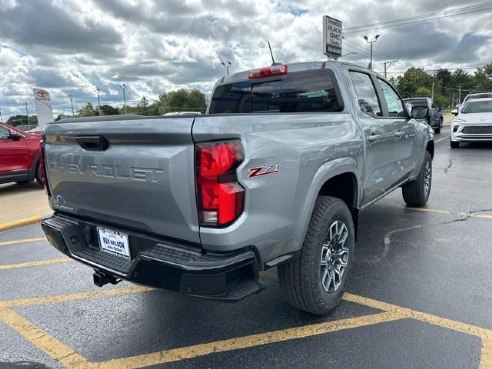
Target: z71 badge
[{"x": 263, "y": 170}]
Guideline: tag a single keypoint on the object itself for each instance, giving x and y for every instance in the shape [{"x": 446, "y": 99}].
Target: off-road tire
[
  {"x": 415, "y": 193},
  {"x": 300, "y": 279}
]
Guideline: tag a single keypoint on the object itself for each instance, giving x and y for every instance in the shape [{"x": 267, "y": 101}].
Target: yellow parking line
[
  {"x": 21, "y": 222},
  {"x": 486, "y": 358},
  {"x": 73, "y": 297},
  {"x": 484, "y": 334},
  {"x": 35, "y": 263},
  {"x": 417, "y": 315},
  {"x": 68, "y": 357},
  {"x": 46, "y": 343},
  {"x": 442, "y": 139},
  {"x": 26, "y": 240},
  {"x": 253, "y": 340}
]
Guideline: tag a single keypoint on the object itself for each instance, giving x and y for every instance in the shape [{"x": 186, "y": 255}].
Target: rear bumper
[{"x": 157, "y": 262}]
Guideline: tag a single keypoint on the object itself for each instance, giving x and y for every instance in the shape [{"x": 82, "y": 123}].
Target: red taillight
[
  {"x": 220, "y": 196},
  {"x": 274, "y": 70},
  {"x": 42, "y": 166}
]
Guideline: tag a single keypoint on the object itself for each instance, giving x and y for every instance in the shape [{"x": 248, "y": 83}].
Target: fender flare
[{"x": 327, "y": 171}]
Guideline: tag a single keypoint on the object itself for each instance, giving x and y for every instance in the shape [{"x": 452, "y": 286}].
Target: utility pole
[
  {"x": 459, "y": 95},
  {"x": 433, "y": 80},
  {"x": 371, "y": 42},
  {"x": 1, "y": 118},
  {"x": 71, "y": 104},
  {"x": 387, "y": 64},
  {"x": 27, "y": 113}
]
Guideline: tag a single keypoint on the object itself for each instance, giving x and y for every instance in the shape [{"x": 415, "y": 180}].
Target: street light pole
[
  {"x": 227, "y": 66},
  {"x": 27, "y": 113},
  {"x": 98, "y": 100},
  {"x": 124, "y": 97},
  {"x": 371, "y": 42},
  {"x": 1, "y": 118},
  {"x": 71, "y": 104}
]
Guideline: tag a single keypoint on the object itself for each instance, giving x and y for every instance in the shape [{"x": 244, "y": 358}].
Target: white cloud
[{"x": 70, "y": 47}]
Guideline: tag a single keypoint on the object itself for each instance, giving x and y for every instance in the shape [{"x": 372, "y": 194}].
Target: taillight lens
[
  {"x": 274, "y": 70},
  {"x": 42, "y": 166},
  {"x": 220, "y": 196}
]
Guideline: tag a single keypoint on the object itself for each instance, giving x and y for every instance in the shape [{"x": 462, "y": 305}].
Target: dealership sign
[
  {"x": 43, "y": 106},
  {"x": 332, "y": 37}
]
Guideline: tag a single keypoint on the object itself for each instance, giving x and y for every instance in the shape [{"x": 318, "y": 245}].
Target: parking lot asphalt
[{"x": 419, "y": 297}]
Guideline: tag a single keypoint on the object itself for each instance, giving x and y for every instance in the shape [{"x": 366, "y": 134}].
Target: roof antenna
[{"x": 271, "y": 53}]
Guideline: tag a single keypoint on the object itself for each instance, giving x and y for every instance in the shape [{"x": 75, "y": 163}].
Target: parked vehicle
[
  {"x": 434, "y": 118},
  {"x": 478, "y": 95},
  {"x": 274, "y": 175},
  {"x": 19, "y": 155},
  {"x": 473, "y": 123}
]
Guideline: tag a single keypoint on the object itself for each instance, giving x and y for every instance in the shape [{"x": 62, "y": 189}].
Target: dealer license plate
[{"x": 114, "y": 242}]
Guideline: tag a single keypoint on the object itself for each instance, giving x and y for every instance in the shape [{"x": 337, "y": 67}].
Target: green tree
[
  {"x": 109, "y": 110},
  {"x": 87, "y": 111},
  {"x": 412, "y": 80},
  {"x": 19, "y": 120},
  {"x": 143, "y": 106},
  {"x": 482, "y": 79},
  {"x": 182, "y": 100},
  {"x": 423, "y": 92}
]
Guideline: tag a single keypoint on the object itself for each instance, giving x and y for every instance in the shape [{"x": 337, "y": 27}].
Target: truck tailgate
[{"x": 135, "y": 174}]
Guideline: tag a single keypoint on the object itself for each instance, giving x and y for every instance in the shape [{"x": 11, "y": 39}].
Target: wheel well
[
  {"x": 344, "y": 187},
  {"x": 430, "y": 148}
]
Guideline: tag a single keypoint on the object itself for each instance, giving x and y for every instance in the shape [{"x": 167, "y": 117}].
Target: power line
[{"x": 421, "y": 18}]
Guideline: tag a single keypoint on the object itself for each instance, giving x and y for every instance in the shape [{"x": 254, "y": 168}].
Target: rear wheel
[
  {"x": 316, "y": 280},
  {"x": 416, "y": 193}
]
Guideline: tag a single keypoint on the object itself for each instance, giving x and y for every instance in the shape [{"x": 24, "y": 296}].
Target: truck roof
[{"x": 294, "y": 67}]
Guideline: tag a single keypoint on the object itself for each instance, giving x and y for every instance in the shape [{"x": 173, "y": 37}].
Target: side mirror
[
  {"x": 15, "y": 136},
  {"x": 454, "y": 112},
  {"x": 419, "y": 112}
]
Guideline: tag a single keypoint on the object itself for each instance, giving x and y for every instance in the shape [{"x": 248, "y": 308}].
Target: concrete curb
[{"x": 21, "y": 222}]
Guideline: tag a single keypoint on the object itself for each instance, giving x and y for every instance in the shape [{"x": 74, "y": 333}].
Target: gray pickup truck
[{"x": 274, "y": 175}]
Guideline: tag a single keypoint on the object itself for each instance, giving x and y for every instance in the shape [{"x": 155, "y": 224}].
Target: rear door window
[
  {"x": 366, "y": 93},
  {"x": 308, "y": 91}
]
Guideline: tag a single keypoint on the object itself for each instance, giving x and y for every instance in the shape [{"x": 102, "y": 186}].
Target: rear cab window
[{"x": 305, "y": 91}]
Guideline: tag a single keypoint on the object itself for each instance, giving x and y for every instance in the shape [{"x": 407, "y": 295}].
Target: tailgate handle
[{"x": 92, "y": 142}]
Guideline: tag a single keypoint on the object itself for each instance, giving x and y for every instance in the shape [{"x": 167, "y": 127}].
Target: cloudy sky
[{"x": 71, "y": 47}]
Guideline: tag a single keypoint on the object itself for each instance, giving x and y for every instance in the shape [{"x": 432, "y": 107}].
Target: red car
[{"x": 19, "y": 155}]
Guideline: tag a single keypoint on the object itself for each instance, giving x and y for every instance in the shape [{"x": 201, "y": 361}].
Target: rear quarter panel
[{"x": 309, "y": 148}]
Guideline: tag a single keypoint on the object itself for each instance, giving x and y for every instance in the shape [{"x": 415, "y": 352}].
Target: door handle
[
  {"x": 373, "y": 138},
  {"x": 91, "y": 143},
  {"x": 398, "y": 135}
]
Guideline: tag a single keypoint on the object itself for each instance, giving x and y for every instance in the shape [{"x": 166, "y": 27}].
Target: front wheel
[
  {"x": 416, "y": 193},
  {"x": 316, "y": 280},
  {"x": 454, "y": 144}
]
